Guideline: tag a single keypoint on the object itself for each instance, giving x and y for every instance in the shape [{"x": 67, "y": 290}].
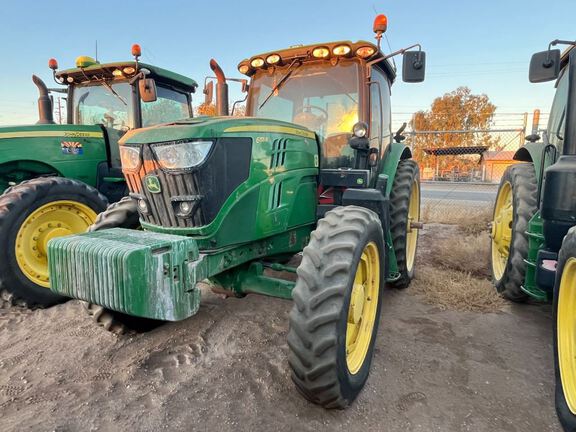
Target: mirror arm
[
  {"x": 395, "y": 53},
  {"x": 555, "y": 42}
]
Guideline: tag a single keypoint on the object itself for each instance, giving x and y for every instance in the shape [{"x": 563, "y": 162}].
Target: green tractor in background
[
  {"x": 533, "y": 253},
  {"x": 59, "y": 177},
  {"x": 312, "y": 167}
]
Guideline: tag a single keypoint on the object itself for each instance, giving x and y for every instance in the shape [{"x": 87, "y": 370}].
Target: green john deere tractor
[
  {"x": 533, "y": 252},
  {"x": 312, "y": 167},
  {"x": 59, "y": 177}
]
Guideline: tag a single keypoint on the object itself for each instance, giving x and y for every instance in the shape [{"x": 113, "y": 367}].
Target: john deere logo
[{"x": 153, "y": 184}]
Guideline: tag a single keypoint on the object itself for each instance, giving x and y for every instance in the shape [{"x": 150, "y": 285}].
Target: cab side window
[
  {"x": 169, "y": 106},
  {"x": 380, "y": 121}
]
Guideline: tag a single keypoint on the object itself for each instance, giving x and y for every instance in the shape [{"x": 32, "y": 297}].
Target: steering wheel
[
  {"x": 305, "y": 116},
  {"x": 310, "y": 107}
]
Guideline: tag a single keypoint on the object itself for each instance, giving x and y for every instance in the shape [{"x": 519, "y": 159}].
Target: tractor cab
[
  {"x": 339, "y": 90},
  {"x": 123, "y": 96}
]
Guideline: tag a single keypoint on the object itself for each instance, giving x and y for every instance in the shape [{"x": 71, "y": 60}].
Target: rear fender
[{"x": 534, "y": 153}]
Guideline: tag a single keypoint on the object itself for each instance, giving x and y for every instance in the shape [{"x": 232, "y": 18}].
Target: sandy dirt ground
[{"x": 225, "y": 369}]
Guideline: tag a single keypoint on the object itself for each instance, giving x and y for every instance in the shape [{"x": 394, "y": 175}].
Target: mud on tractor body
[
  {"x": 533, "y": 252},
  {"x": 312, "y": 168},
  {"x": 60, "y": 176}
]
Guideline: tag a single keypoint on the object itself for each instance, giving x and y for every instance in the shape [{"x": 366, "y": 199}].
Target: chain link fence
[{"x": 460, "y": 170}]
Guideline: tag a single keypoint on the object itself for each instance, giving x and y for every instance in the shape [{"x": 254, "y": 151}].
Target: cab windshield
[
  {"x": 317, "y": 95},
  {"x": 109, "y": 105}
]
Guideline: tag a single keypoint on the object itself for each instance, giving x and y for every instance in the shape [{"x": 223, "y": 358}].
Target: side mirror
[
  {"x": 413, "y": 66},
  {"x": 147, "y": 87},
  {"x": 208, "y": 93},
  {"x": 545, "y": 66}
]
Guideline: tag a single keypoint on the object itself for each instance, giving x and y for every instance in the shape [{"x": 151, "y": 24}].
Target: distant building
[{"x": 494, "y": 163}]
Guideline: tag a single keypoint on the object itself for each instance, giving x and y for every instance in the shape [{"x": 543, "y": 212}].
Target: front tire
[
  {"x": 121, "y": 214},
  {"x": 32, "y": 213},
  {"x": 337, "y": 300},
  {"x": 515, "y": 205},
  {"x": 565, "y": 333}
]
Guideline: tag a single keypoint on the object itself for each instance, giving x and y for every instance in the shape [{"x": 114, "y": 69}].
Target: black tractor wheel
[
  {"x": 336, "y": 311},
  {"x": 121, "y": 214},
  {"x": 565, "y": 333},
  {"x": 31, "y": 214},
  {"x": 404, "y": 211},
  {"x": 515, "y": 205}
]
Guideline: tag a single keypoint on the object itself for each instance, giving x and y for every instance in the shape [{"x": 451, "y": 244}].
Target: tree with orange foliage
[
  {"x": 206, "y": 110},
  {"x": 459, "y": 110}
]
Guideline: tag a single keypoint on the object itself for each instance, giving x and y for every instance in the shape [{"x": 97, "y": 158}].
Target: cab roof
[
  {"x": 105, "y": 70},
  {"x": 304, "y": 52}
]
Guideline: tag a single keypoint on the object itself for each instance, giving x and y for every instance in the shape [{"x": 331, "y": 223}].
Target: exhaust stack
[
  {"x": 44, "y": 102},
  {"x": 221, "y": 89}
]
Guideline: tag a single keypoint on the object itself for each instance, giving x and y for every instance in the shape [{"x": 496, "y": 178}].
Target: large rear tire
[
  {"x": 404, "y": 210},
  {"x": 122, "y": 214},
  {"x": 336, "y": 311},
  {"x": 565, "y": 333},
  {"x": 31, "y": 214},
  {"x": 515, "y": 205}
]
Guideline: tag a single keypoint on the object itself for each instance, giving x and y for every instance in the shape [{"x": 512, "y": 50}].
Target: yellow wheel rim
[
  {"x": 55, "y": 219},
  {"x": 363, "y": 308},
  {"x": 502, "y": 230},
  {"x": 412, "y": 233},
  {"x": 566, "y": 333}
]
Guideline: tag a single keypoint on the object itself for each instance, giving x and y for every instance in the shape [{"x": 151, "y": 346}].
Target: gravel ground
[{"x": 225, "y": 369}]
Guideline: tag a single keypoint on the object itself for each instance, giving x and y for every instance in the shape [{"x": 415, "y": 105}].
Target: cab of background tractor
[{"x": 123, "y": 96}]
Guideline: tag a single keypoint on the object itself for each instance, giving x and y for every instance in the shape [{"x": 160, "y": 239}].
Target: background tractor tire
[
  {"x": 508, "y": 272},
  {"x": 121, "y": 214},
  {"x": 329, "y": 356},
  {"x": 405, "y": 208},
  {"x": 565, "y": 333},
  {"x": 31, "y": 213}
]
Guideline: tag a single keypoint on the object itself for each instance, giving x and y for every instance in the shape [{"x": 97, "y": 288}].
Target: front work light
[
  {"x": 321, "y": 52},
  {"x": 243, "y": 68},
  {"x": 257, "y": 62},
  {"x": 181, "y": 155},
  {"x": 130, "y": 157},
  {"x": 365, "y": 51},
  {"x": 273, "y": 59},
  {"x": 341, "y": 50}
]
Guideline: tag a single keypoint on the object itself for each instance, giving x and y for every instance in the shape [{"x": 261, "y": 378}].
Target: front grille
[{"x": 206, "y": 187}]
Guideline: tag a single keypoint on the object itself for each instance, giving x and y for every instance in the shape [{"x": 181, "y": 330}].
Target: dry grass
[
  {"x": 451, "y": 289},
  {"x": 464, "y": 253},
  {"x": 454, "y": 269},
  {"x": 471, "y": 220}
]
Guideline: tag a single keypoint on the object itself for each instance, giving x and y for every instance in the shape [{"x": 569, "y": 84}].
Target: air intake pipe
[
  {"x": 44, "y": 102},
  {"x": 221, "y": 89}
]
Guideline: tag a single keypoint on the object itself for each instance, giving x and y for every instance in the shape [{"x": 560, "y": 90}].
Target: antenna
[{"x": 96, "y": 49}]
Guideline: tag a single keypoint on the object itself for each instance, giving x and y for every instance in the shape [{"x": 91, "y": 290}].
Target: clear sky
[{"x": 485, "y": 45}]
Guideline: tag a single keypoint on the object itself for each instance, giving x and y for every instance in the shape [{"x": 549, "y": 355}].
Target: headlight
[
  {"x": 360, "y": 130},
  {"x": 182, "y": 155},
  {"x": 130, "y": 157}
]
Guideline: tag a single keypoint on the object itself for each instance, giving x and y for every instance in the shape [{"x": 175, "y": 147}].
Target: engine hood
[{"x": 210, "y": 127}]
